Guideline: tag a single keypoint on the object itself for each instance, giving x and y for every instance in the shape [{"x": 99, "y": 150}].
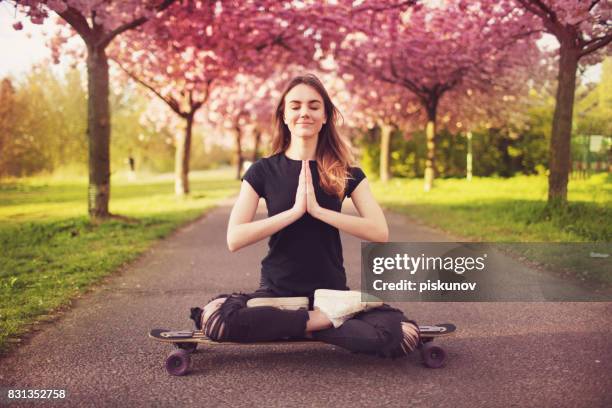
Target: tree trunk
[
  {"x": 560, "y": 141},
  {"x": 181, "y": 161},
  {"x": 256, "y": 146},
  {"x": 98, "y": 133},
  {"x": 385, "y": 142},
  {"x": 432, "y": 106},
  {"x": 238, "y": 134},
  {"x": 469, "y": 156}
]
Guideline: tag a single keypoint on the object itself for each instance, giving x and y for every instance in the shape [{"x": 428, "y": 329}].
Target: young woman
[{"x": 303, "y": 290}]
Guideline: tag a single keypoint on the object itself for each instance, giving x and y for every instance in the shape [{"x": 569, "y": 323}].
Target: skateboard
[{"x": 187, "y": 341}]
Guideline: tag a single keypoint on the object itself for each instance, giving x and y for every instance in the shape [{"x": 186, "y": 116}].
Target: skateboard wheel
[
  {"x": 433, "y": 356},
  {"x": 190, "y": 347},
  {"x": 177, "y": 362}
]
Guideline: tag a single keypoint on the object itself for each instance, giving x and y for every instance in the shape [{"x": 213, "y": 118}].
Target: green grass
[
  {"x": 508, "y": 210},
  {"x": 51, "y": 252}
]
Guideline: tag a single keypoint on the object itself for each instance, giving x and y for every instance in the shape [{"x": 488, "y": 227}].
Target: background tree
[
  {"x": 181, "y": 60},
  {"x": 245, "y": 103},
  {"x": 444, "y": 50},
  {"x": 97, "y": 23},
  {"x": 42, "y": 125},
  {"x": 594, "y": 105},
  {"x": 384, "y": 107},
  {"x": 582, "y": 28}
]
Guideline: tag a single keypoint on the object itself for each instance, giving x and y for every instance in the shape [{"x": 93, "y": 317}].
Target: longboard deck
[{"x": 198, "y": 336}]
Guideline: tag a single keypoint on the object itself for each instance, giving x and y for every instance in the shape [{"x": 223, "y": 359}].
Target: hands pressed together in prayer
[
  {"x": 305, "y": 198},
  {"x": 370, "y": 227}
]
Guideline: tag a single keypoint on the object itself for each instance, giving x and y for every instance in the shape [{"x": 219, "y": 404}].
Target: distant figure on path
[{"x": 132, "y": 173}]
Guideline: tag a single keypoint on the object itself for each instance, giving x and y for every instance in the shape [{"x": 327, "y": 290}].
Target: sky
[{"x": 19, "y": 50}]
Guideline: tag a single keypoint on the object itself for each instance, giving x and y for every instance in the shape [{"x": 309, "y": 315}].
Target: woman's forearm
[
  {"x": 360, "y": 227},
  {"x": 248, "y": 233}
]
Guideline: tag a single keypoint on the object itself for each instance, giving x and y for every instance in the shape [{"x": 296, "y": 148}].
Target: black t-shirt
[{"x": 307, "y": 254}]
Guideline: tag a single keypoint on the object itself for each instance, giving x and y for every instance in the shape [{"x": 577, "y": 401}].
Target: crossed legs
[{"x": 384, "y": 331}]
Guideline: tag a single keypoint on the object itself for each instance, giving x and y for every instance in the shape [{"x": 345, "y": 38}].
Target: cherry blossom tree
[
  {"x": 178, "y": 73},
  {"x": 383, "y": 105},
  {"x": 184, "y": 96},
  {"x": 97, "y": 23},
  {"x": 179, "y": 60},
  {"x": 248, "y": 102},
  {"x": 584, "y": 31},
  {"x": 448, "y": 49}
]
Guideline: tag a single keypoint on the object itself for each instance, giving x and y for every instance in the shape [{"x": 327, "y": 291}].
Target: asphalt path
[{"x": 510, "y": 354}]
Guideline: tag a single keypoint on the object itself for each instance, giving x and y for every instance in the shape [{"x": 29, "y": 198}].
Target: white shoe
[
  {"x": 341, "y": 305},
  {"x": 284, "y": 303}
]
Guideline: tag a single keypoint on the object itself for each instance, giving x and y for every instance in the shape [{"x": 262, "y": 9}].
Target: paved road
[{"x": 504, "y": 354}]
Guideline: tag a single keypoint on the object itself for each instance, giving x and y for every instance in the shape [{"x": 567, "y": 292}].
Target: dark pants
[{"x": 376, "y": 331}]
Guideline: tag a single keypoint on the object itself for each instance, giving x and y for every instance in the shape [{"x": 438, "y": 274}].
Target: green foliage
[
  {"x": 152, "y": 149},
  {"x": 506, "y": 151},
  {"x": 214, "y": 157},
  {"x": 592, "y": 120},
  {"x": 43, "y": 125},
  {"x": 496, "y": 152},
  {"x": 593, "y": 107}
]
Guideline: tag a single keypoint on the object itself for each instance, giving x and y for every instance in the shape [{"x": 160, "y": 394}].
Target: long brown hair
[{"x": 333, "y": 154}]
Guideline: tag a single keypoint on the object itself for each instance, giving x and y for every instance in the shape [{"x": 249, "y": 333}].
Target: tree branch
[
  {"x": 517, "y": 37},
  {"x": 405, "y": 82},
  {"x": 595, "y": 44},
  {"x": 105, "y": 40},
  {"x": 383, "y": 8},
  {"x": 195, "y": 105},
  {"x": 277, "y": 39},
  {"x": 548, "y": 17},
  {"x": 527, "y": 5},
  {"x": 552, "y": 16},
  {"x": 593, "y": 3},
  {"x": 78, "y": 22},
  {"x": 208, "y": 84},
  {"x": 171, "y": 102}
]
